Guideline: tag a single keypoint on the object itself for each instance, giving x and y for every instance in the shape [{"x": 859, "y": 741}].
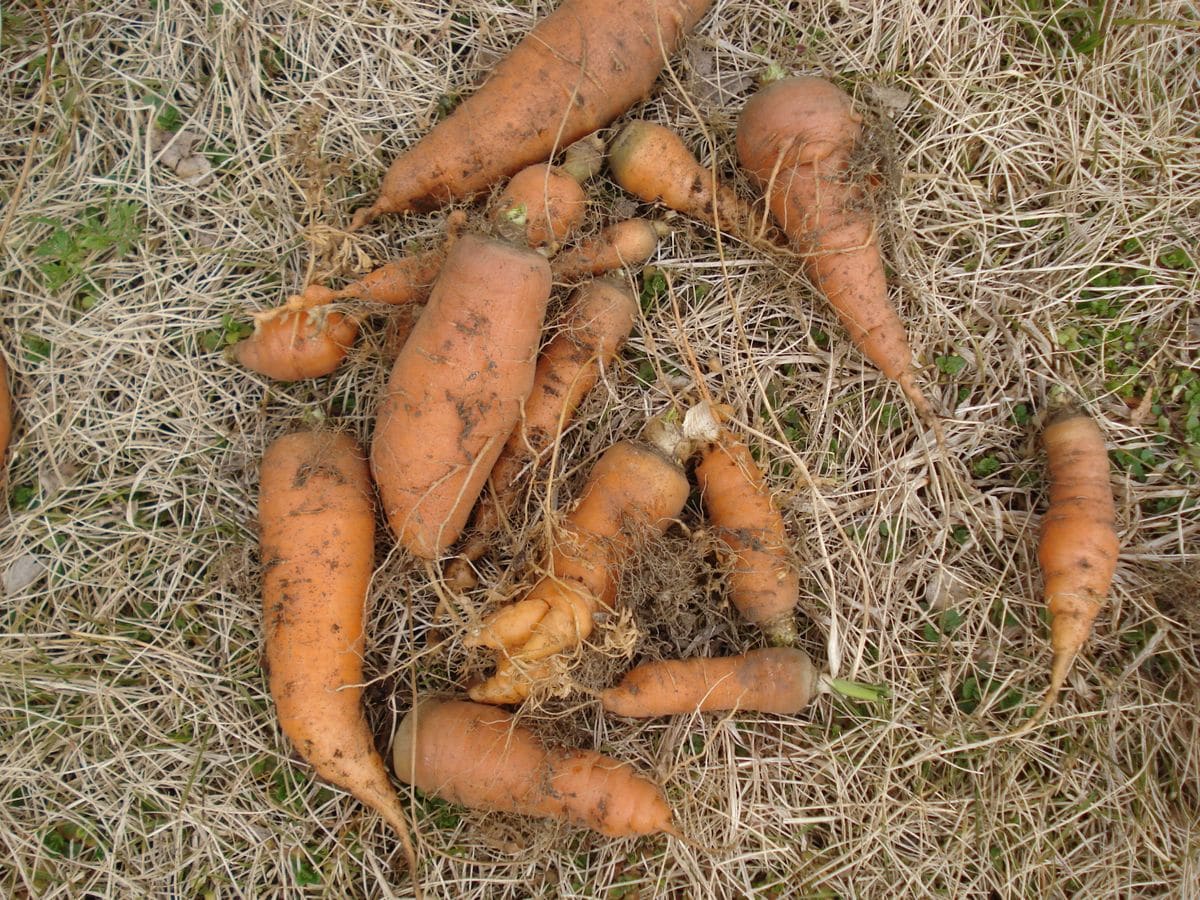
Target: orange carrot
[
  {"x": 318, "y": 542},
  {"x": 577, "y": 70},
  {"x": 539, "y": 207},
  {"x": 289, "y": 345},
  {"x": 1078, "y": 547},
  {"x": 764, "y": 583},
  {"x": 456, "y": 390},
  {"x": 632, "y": 490},
  {"x": 651, "y": 162},
  {"x": 479, "y": 757},
  {"x": 776, "y": 680},
  {"x": 627, "y": 243},
  {"x": 796, "y": 139}
]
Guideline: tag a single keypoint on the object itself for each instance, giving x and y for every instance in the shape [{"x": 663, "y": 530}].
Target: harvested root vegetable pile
[{"x": 1021, "y": 191}]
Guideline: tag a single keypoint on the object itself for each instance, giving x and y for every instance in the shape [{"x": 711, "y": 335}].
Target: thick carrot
[
  {"x": 539, "y": 207},
  {"x": 317, "y": 547},
  {"x": 1078, "y": 547},
  {"x": 763, "y": 583},
  {"x": 577, "y": 70},
  {"x": 775, "y": 679},
  {"x": 796, "y": 138},
  {"x": 596, "y": 324},
  {"x": 479, "y": 757},
  {"x": 633, "y": 490},
  {"x": 288, "y": 345},
  {"x": 652, "y": 163},
  {"x": 456, "y": 390},
  {"x": 627, "y": 243}
]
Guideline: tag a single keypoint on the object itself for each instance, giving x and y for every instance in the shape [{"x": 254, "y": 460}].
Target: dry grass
[{"x": 140, "y": 757}]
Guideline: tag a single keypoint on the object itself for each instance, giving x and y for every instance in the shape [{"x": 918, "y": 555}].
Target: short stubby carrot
[{"x": 624, "y": 244}]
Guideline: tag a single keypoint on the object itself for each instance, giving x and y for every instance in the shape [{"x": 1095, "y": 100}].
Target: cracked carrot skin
[
  {"x": 631, "y": 488},
  {"x": 1078, "y": 546},
  {"x": 779, "y": 680},
  {"x": 290, "y": 345},
  {"x": 456, "y": 390},
  {"x": 317, "y": 522},
  {"x": 796, "y": 139},
  {"x": 578, "y": 69},
  {"x": 764, "y": 584},
  {"x": 479, "y": 757}
]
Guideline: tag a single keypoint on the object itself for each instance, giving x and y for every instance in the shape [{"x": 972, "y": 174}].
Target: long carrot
[
  {"x": 775, "y": 679},
  {"x": 456, "y": 390},
  {"x": 577, "y": 70},
  {"x": 1078, "y": 546},
  {"x": 796, "y": 138},
  {"x": 479, "y": 757},
  {"x": 317, "y": 548},
  {"x": 632, "y": 490}
]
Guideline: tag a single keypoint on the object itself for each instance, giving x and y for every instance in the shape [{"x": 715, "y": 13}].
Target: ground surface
[{"x": 1041, "y": 221}]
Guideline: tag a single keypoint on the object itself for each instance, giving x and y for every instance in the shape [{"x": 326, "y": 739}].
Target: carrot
[
  {"x": 651, "y": 162},
  {"x": 456, "y": 390},
  {"x": 796, "y": 138},
  {"x": 539, "y": 207},
  {"x": 764, "y": 583},
  {"x": 632, "y": 488},
  {"x": 577, "y": 70},
  {"x": 479, "y": 757},
  {"x": 1078, "y": 546},
  {"x": 288, "y": 345},
  {"x": 596, "y": 324},
  {"x": 5, "y": 416},
  {"x": 317, "y": 547},
  {"x": 622, "y": 244},
  {"x": 774, "y": 679}
]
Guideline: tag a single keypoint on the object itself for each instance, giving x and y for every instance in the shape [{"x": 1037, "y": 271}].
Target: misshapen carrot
[
  {"x": 775, "y": 679},
  {"x": 479, "y": 757},
  {"x": 620, "y": 245},
  {"x": 631, "y": 489},
  {"x": 456, "y": 390},
  {"x": 577, "y": 70},
  {"x": 796, "y": 138},
  {"x": 764, "y": 584},
  {"x": 317, "y": 544},
  {"x": 289, "y": 345},
  {"x": 1078, "y": 546}
]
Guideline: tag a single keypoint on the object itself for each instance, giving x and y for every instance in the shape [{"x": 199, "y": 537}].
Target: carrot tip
[{"x": 924, "y": 409}]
